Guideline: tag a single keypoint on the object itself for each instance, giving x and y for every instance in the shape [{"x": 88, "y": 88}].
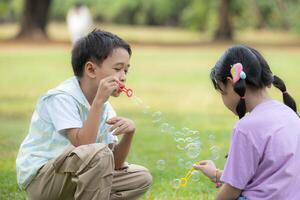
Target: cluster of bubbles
[{"x": 185, "y": 139}]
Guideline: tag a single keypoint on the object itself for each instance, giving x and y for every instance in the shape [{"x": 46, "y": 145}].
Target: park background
[{"x": 175, "y": 43}]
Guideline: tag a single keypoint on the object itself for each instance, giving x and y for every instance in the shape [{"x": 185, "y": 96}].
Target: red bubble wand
[{"x": 127, "y": 91}]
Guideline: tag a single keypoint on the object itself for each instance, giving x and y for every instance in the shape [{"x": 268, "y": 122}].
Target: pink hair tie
[{"x": 243, "y": 97}]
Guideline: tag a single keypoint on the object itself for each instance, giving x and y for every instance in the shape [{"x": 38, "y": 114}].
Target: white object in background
[{"x": 79, "y": 21}]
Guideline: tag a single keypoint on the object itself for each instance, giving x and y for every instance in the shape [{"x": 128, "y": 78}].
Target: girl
[{"x": 264, "y": 156}]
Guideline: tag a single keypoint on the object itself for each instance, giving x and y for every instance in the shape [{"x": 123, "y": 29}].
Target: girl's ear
[
  {"x": 90, "y": 69},
  {"x": 230, "y": 81}
]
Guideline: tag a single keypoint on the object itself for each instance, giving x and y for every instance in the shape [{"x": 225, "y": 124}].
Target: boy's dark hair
[
  {"x": 95, "y": 47},
  {"x": 259, "y": 75}
]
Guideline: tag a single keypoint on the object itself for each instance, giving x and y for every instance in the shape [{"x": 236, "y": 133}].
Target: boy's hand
[
  {"x": 106, "y": 87},
  {"x": 207, "y": 167},
  {"x": 121, "y": 125}
]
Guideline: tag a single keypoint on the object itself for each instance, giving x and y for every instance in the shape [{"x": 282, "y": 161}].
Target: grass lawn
[{"x": 173, "y": 81}]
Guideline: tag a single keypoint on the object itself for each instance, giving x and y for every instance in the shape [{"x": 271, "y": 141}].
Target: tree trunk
[
  {"x": 224, "y": 31},
  {"x": 34, "y": 20}
]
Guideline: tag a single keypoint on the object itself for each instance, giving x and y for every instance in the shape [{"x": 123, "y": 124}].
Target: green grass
[{"x": 173, "y": 81}]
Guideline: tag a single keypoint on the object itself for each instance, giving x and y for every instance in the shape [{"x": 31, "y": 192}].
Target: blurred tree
[
  {"x": 282, "y": 10},
  {"x": 34, "y": 20},
  {"x": 224, "y": 30},
  {"x": 196, "y": 14}
]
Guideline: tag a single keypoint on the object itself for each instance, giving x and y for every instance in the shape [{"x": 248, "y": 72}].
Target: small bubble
[
  {"x": 171, "y": 129},
  {"x": 180, "y": 143},
  {"x": 188, "y": 139},
  {"x": 195, "y": 176},
  {"x": 176, "y": 183},
  {"x": 161, "y": 164},
  {"x": 185, "y": 129},
  {"x": 181, "y": 162},
  {"x": 192, "y": 150},
  {"x": 211, "y": 137},
  {"x": 215, "y": 153},
  {"x": 164, "y": 127},
  {"x": 178, "y": 134},
  {"x": 189, "y": 164},
  {"x": 157, "y": 116},
  {"x": 196, "y": 133}
]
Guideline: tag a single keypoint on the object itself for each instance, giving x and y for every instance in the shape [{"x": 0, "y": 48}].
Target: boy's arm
[
  {"x": 125, "y": 127},
  {"x": 121, "y": 150},
  {"x": 88, "y": 133}
]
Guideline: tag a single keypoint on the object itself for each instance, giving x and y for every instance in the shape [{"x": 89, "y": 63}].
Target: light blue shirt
[{"x": 61, "y": 108}]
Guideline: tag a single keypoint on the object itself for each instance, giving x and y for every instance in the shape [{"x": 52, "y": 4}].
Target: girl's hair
[{"x": 259, "y": 75}]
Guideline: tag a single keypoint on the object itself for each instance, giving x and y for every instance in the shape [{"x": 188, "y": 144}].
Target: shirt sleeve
[
  {"x": 242, "y": 161},
  {"x": 63, "y": 112}
]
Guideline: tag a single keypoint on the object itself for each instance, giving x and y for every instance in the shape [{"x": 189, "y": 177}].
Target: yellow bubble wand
[{"x": 184, "y": 180}]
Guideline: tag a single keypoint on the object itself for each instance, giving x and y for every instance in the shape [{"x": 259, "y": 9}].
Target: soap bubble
[
  {"x": 171, "y": 129},
  {"x": 137, "y": 100},
  {"x": 181, "y": 162},
  {"x": 189, "y": 164},
  {"x": 178, "y": 134},
  {"x": 190, "y": 132},
  {"x": 195, "y": 176},
  {"x": 164, "y": 127},
  {"x": 176, "y": 183},
  {"x": 192, "y": 150},
  {"x": 188, "y": 140},
  {"x": 215, "y": 153},
  {"x": 196, "y": 133},
  {"x": 180, "y": 143},
  {"x": 211, "y": 138},
  {"x": 161, "y": 164},
  {"x": 185, "y": 129},
  {"x": 157, "y": 116}
]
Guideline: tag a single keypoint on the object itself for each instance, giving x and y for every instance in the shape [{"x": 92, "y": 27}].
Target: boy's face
[{"x": 117, "y": 65}]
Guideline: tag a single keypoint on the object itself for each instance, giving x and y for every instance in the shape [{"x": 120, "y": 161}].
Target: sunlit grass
[{"x": 173, "y": 81}]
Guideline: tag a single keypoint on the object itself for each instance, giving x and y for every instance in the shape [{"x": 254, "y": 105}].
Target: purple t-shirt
[{"x": 264, "y": 156}]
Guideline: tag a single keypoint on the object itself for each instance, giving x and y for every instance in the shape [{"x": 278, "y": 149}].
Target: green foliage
[
  {"x": 196, "y": 15},
  {"x": 193, "y": 14},
  {"x": 10, "y": 9}
]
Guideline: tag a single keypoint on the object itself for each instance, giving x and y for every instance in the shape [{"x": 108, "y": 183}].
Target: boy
[{"x": 71, "y": 150}]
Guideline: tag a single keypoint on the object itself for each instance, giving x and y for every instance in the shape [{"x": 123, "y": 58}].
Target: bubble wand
[
  {"x": 184, "y": 180},
  {"x": 127, "y": 91}
]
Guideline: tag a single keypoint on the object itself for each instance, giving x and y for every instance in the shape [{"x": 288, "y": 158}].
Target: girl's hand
[
  {"x": 207, "y": 167},
  {"x": 121, "y": 125}
]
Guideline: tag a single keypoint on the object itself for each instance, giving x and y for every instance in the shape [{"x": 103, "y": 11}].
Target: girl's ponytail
[
  {"x": 240, "y": 89},
  {"x": 287, "y": 98}
]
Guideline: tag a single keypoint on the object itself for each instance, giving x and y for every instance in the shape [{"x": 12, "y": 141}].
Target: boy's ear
[{"x": 90, "y": 69}]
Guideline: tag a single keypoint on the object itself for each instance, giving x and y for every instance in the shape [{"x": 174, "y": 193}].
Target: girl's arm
[
  {"x": 209, "y": 169},
  {"x": 227, "y": 192}
]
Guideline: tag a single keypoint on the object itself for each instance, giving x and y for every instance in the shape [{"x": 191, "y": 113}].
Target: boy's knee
[
  {"x": 145, "y": 179},
  {"x": 104, "y": 155},
  {"x": 148, "y": 178}
]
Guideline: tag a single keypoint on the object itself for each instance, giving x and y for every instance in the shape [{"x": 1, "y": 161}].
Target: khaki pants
[{"x": 87, "y": 173}]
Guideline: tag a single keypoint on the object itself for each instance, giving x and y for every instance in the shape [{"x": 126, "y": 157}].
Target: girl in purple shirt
[{"x": 264, "y": 157}]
